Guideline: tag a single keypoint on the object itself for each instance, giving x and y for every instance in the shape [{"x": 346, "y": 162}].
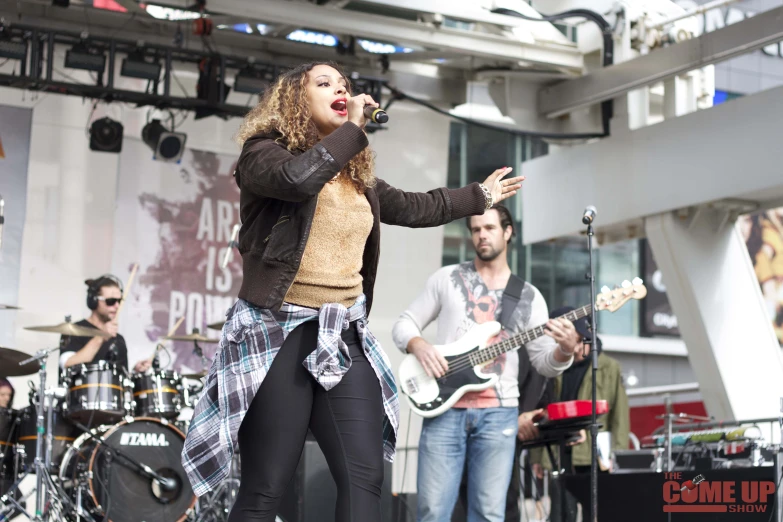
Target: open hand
[{"x": 502, "y": 188}]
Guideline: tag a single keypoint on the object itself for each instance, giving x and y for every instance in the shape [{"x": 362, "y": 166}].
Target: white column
[{"x": 714, "y": 292}]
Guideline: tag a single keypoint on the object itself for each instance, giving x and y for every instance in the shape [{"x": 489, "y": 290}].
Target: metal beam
[
  {"x": 474, "y": 11},
  {"x": 670, "y": 389},
  {"x": 442, "y": 85},
  {"x": 605, "y": 84},
  {"x": 386, "y": 28}
]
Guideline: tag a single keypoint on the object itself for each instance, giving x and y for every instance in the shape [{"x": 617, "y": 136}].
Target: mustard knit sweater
[{"x": 329, "y": 271}]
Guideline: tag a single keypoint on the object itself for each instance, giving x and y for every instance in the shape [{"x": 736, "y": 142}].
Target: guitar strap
[
  {"x": 511, "y": 296},
  {"x": 531, "y": 383}
]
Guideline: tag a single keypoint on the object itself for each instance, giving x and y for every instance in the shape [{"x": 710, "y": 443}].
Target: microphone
[
  {"x": 231, "y": 245},
  {"x": 375, "y": 114},
  {"x": 2, "y": 219},
  {"x": 112, "y": 355},
  {"x": 691, "y": 484},
  {"x": 589, "y": 215},
  {"x": 167, "y": 484}
]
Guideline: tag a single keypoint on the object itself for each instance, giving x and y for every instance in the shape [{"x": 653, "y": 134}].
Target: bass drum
[{"x": 115, "y": 489}]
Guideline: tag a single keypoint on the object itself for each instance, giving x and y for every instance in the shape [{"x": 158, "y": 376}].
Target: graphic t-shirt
[{"x": 459, "y": 299}]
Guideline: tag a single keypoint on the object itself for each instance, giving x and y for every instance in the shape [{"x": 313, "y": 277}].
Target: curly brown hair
[{"x": 284, "y": 109}]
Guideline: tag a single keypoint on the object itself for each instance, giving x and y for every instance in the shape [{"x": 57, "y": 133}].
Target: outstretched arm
[{"x": 440, "y": 206}]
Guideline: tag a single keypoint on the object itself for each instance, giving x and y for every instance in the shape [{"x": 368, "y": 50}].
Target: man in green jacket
[{"x": 576, "y": 384}]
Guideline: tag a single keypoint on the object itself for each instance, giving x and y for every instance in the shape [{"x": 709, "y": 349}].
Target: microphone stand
[{"x": 594, "y": 359}]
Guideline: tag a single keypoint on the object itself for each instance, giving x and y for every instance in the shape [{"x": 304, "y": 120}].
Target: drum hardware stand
[
  {"x": 669, "y": 419},
  {"x": 40, "y": 464},
  {"x": 218, "y": 505},
  {"x": 45, "y": 487},
  {"x": 199, "y": 352}
]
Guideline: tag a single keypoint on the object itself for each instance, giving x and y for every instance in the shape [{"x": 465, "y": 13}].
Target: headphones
[{"x": 97, "y": 284}]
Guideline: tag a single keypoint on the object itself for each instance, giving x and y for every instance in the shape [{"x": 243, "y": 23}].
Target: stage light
[
  {"x": 136, "y": 66},
  {"x": 82, "y": 57},
  {"x": 167, "y": 145},
  {"x": 382, "y": 48},
  {"x": 168, "y": 13},
  {"x": 312, "y": 37},
  {"x": 253, "y": 81},
  {"x": 106, "y": 135},
  {"x": 12, "y": 50}
]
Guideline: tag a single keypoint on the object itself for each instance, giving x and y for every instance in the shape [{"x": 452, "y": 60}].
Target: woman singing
[{"x": 295, "y": 351}]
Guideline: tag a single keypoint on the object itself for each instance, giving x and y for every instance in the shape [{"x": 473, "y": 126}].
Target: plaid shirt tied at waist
[{"x": 251, "y": 338}]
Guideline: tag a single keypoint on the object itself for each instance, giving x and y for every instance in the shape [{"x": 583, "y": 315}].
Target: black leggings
[{"x": 347, "y": 422}]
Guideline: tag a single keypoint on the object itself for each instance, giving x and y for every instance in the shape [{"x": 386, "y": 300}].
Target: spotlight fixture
[
  {"x": 167, "y": 145},
  {"x": 210, "y": 77},
  {"x": 106, "y": 135},
  {"x": 82, "y": 57},
  {"x": 253, "y": 81},
  {"x": 137, "y": 66},
  {"x": 11, "y": 49}
]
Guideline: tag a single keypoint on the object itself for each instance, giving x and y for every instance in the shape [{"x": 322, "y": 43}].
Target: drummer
[
  {"x": 103, "y": 298},
  {"x": 6, "y": 393}
]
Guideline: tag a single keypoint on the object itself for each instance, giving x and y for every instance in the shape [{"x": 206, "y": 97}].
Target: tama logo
[{"x": 143, "y": 439}]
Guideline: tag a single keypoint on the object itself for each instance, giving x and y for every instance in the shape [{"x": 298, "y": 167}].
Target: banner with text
[
  {"x": 15, "y": 127},
  {"x": 175, "y": 222},
  {"x": 657, "y": 316},
  {"x": 763, "y": 233}
]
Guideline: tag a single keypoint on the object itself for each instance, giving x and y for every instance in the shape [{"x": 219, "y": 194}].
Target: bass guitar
[{"x": 430, "y": 397}]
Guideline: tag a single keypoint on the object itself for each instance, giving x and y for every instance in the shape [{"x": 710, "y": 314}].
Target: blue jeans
[{"x": 485, "y": 438}]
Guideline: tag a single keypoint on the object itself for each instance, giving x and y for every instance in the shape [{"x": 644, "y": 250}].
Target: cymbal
[
  {"x": 70, "y": 329},
  {"x": 216, "y": 326},
  {"x": 195, "y": 376},
  {"x": 10, "y": 359},
  {"x": 9, "y": 307},
  {"x": 194, "y": 337}
]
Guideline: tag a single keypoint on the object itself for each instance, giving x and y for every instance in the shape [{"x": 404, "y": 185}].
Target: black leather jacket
[{"x": 278, "y": 195}]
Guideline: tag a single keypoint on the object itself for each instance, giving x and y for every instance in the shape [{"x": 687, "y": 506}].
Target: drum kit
[{"x": 104, "y": 445}]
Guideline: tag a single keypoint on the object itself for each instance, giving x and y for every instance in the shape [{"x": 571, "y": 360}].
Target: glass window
[{"x": 558, "y": 267}]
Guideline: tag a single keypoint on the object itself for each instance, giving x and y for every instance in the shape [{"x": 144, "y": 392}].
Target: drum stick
[
  {"x": 171, "y": 332},
  {"x": 128, "y": 287}
]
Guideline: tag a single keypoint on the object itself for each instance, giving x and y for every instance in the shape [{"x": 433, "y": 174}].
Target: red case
[{"x": 572, "y": 409}]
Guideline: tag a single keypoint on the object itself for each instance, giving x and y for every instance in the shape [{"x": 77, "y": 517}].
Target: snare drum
[
  {"x": 96, "y": 393},
  {"x": 158, "y": 393}
]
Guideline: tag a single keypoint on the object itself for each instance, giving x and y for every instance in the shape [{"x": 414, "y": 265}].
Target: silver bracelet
[{"x": 487, "y": 196}]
